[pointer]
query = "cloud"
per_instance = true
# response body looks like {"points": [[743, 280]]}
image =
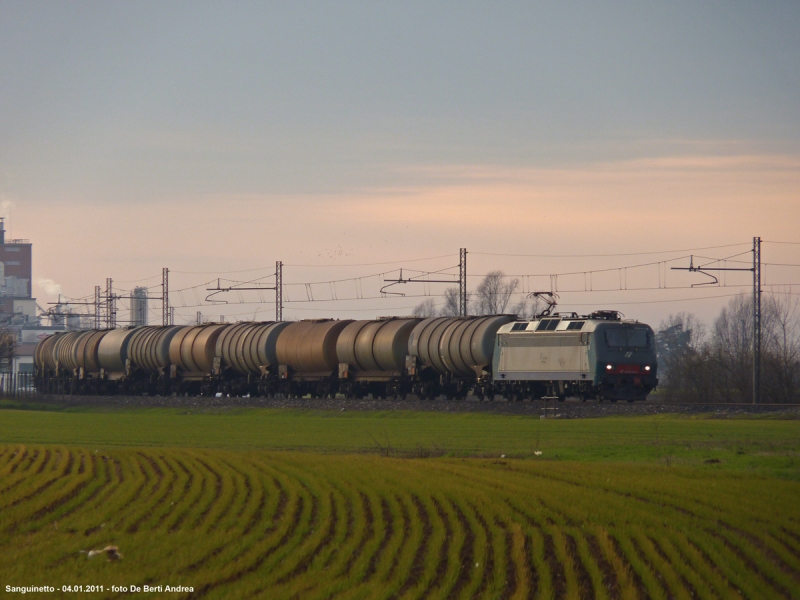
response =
{"points": [[50, 287]]}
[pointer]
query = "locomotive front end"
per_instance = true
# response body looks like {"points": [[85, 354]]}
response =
{"points": [[624, 357]]}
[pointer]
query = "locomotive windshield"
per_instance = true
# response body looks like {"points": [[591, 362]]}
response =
{"points": [[627, 337]]}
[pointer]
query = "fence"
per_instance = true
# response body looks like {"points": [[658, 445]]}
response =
{"points": [[17, 385]]}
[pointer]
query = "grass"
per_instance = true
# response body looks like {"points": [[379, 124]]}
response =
{"points": [[761, 444], [312, 504]]}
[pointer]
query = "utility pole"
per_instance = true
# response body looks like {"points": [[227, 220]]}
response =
{"points": [[279, 291], [97, 307], [756, 269], [111, 305], [278, 287], [756, 320], [165, 311], [462, 282], [199, 318], [171, 315]]}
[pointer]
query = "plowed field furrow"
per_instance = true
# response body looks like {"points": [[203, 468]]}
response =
{"points": [[585, 587], [244, 497], [29, 462], [367, 534], [139, 481], [658, 587], [556, 567], [742, 555], [254, 546], [406, 530], [466, 554], [778, 538], [17, 477], [766, 550], [192, 493], [388, 529], [262, 558], [532, 572], [92, 518], [215, 494], [510, 578], [307, 560], [146, 478], [197, 509], [417, 568], [152, 498], [723, 584], [541, 563], [628, 567], [38, 469], [39, 489], [609, 490], [487, 568], [71, 491], [232, 487], [172, 481], [675, 582], [20, 457], [669, 557], [102, 483], [253, 518], [610, 582], [442, 560], [349, 526]]}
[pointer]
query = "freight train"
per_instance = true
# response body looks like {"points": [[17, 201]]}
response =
{"points": [[599, 356]]}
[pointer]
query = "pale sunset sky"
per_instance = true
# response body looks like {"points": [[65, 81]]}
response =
{"points": [[350, 139]]}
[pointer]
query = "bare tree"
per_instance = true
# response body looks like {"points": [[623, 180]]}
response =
{"points": [[781, 349], [8, 341], [685, 365], [732, 348], [425, 309], [452, 306], [494, 293]]}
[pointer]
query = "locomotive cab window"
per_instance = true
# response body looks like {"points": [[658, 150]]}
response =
{"points": [[575, 326], [625, 337], [637, 338], [519, 327]]}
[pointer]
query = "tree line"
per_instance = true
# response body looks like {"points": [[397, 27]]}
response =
{"points": [[715, 364]]}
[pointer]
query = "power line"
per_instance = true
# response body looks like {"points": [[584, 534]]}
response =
{"points": [[608, 255]]}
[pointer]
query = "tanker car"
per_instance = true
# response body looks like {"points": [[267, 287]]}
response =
{"points": [[596, 356]]}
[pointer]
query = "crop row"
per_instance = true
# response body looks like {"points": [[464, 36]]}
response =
{"points": [[302, 525]]}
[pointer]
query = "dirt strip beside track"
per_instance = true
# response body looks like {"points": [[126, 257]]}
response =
{"points": [[569, 409]]}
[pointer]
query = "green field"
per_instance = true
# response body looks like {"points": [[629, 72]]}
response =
{"points": [[311, 504]]}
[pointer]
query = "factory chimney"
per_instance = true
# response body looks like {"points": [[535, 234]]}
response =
{"points": [[2, 230]]}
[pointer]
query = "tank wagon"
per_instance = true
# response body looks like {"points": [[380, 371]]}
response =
{"points": [[595, 356]]}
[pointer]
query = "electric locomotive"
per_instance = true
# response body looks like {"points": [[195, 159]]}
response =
{"points": [[597, 356]]}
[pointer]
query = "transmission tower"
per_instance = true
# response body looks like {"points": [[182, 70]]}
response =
{"points": [[165, 312], [462, 282]]}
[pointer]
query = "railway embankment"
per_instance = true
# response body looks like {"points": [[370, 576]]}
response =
{"points": [[570, 409]]}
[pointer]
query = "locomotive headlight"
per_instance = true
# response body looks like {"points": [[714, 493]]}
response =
{"points": [[609, 367], [647, 368]]}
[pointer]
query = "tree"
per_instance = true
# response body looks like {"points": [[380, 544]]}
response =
{"points": [[493, 294], [781, 349], [732, 348], [425, 309], [8, 341]]}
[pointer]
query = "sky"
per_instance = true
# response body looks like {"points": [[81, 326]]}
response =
{"points": [[352, 139]]}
